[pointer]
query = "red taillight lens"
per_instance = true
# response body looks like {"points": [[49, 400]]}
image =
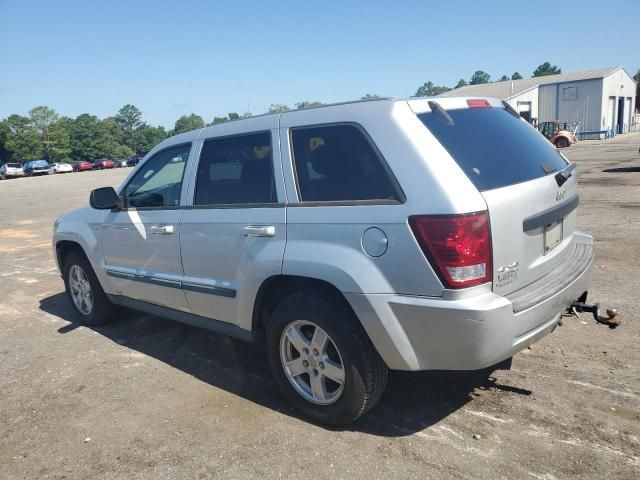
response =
{"points": [[478, 103], [458, 246]]}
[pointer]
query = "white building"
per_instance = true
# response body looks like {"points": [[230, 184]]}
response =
{"points": [[601, 100]]}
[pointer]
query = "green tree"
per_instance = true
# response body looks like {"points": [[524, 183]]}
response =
{"points": [[516, 76], [461, 83], [128, 120], [5, 154], [218, 120], [233, 116], [479, 78], [278, 108], [23, 141], [546, 69], [43, 119], [370, 96], [307, 104], [146, 137], [59, 142], [187, 123], [504, 78], [428, 89]]}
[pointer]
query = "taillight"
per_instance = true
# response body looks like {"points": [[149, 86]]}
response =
{"points": [[478, 103], [458, 246]]}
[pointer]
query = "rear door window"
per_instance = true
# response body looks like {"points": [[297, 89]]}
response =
{"points": [[236, 170], [339, 163], [494, 148]]}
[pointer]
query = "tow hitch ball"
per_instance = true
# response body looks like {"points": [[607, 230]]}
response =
{"points": [[612, 319]]}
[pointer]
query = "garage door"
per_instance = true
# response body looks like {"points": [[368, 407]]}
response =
{"points": [[611, 116]]}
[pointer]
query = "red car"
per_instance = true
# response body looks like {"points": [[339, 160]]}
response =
{"points": [[102, 164], [81, 166]]}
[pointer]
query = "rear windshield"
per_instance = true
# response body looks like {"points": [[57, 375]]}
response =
{"points": [[13, 165], [494, 148], [40, 163]]}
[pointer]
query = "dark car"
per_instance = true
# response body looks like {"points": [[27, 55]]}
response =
{"points": [[82, 166], [134, 160], [102, 164], [36, 167]]}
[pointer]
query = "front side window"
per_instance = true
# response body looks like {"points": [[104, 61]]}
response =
{"points": [[158, 183], [236, 170], [339, 163]]}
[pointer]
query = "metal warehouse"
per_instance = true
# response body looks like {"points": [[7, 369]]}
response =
{"points": [[598, 102]]}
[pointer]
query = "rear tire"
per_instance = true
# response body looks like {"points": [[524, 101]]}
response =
{"points": [[352, 390], [85, 293]]}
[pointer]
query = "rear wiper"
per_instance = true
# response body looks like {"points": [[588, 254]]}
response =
{"points": [[565, 174], [440, 113]]}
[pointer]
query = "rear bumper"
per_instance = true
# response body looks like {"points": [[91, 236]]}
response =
{"points": [[466, 330]]}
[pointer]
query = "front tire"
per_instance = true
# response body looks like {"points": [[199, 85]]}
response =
{"points": [[562, 143], [85, 293], [322, 359]]}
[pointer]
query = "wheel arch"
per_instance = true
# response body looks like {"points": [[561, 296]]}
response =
{"points": [[275, 288]]}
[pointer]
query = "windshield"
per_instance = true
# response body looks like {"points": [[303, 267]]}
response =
{"points": [[40, 163], [494, 148]]}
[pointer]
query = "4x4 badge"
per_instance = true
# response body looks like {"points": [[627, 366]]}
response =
{"points": [[507, 274]]}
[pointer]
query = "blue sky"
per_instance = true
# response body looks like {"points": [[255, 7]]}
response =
{"points": [[171, 58]]}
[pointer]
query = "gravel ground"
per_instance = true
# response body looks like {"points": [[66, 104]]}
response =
{"points": [[148, 398]]}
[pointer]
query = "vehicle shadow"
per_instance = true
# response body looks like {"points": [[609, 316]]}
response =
{"points": [[412, 402]]}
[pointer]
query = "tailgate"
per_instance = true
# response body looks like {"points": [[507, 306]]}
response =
{"points": [[532, 226]]}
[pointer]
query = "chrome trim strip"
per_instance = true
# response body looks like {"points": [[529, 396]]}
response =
{"points": [[166, 282]]}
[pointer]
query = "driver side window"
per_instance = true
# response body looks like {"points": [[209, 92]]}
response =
{"points": [[158, 183]]}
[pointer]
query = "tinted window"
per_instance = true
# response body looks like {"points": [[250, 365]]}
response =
{"points": [[158, 183], [338, 163], [494, 148], [236, 170], [13, 165]]}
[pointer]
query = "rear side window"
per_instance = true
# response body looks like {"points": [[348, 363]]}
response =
{"points": [[494, 148], [236, 170], [339, 163]]}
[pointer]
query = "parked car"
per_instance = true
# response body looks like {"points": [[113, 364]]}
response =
{"points": [[419, 235], [82, 166], [11, 170], [102, 164], [36, 167], [134, 160], [560, 137], [119, 163], [60, 168]]}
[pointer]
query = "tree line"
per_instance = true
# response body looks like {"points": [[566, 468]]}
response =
{"points": [[45, 134], [428, 89]]}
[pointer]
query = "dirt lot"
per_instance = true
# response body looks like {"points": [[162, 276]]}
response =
{"points": [[148, 398]]}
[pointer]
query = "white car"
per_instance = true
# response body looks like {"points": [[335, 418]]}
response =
{"points": [[11, 170], [60, 168]]}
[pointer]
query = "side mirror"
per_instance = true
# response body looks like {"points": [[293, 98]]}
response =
{"points": [[104, 198]]}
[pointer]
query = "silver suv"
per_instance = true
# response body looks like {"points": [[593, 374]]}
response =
{"points": [[349, 239]]}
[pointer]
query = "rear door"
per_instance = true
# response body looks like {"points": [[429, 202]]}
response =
{"points": [[532, 209], [233, 235]]}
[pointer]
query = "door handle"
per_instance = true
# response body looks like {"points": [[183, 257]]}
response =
{"points": [[162, 229], [259, 231]]}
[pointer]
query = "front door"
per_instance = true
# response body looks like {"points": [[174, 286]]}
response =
{"points": [[233, 236], [141, 243]]}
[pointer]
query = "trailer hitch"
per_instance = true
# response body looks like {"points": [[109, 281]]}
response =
{"points": [[612, 319]]}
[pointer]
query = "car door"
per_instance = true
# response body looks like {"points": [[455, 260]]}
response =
{"points": [[141, 241], [233, 235]]}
